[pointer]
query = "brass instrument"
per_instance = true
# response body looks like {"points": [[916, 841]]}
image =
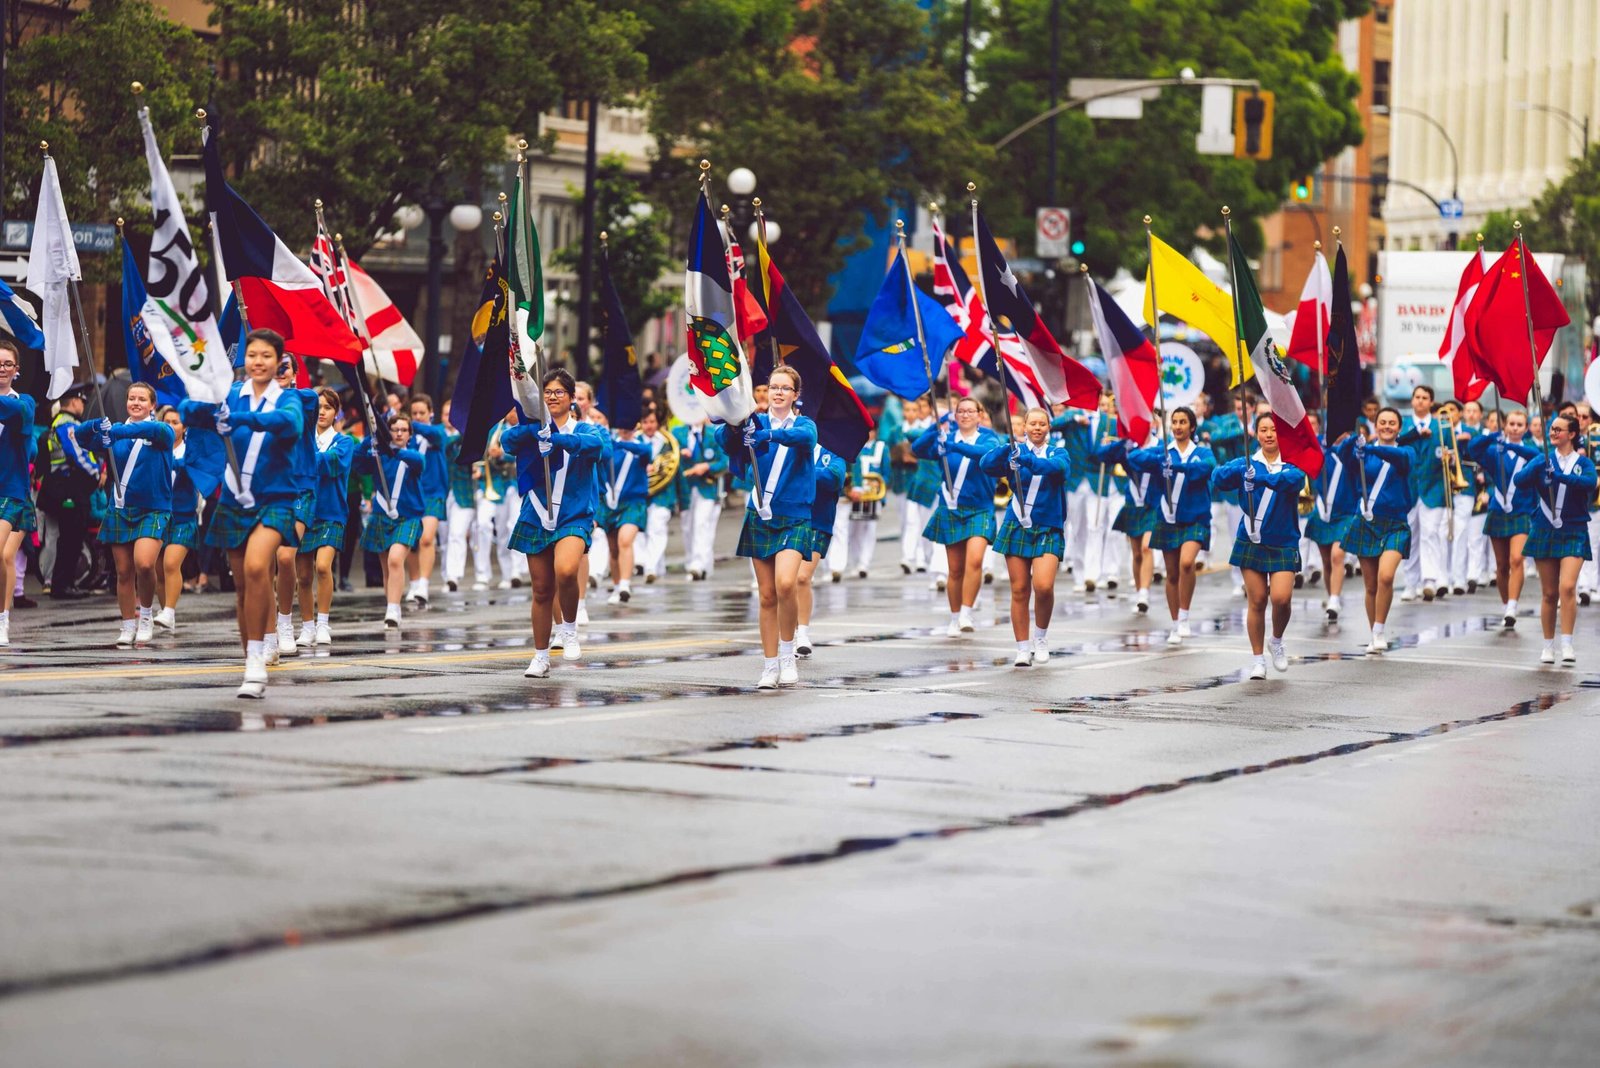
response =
{"points": [[1591, 442], [1002, 493], [1307, 499], [480, 471], [873, 487], [1451, 474], [664, 468]]}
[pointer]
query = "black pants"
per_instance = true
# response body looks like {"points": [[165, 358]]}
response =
{"points": [[72, 526]]}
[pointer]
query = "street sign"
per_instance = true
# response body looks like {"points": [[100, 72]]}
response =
{"points": [[1052, 232], [88, 237], [1451, 208]]}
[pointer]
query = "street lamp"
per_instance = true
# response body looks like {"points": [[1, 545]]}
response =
{"points": [[1579, 125], [1455, 159]]}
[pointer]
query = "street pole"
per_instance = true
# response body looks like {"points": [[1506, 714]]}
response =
{"points": [[580, 354], [1055, 94], [435, 208]]}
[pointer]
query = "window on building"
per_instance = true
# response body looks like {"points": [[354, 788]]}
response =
{"points": [[1381, 13], [1380, 83]]}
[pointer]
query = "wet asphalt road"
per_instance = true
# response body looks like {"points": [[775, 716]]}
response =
{"points": [[410, 855]]}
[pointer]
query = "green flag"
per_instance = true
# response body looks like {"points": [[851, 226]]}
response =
{"points": [[1251, 318], [527, 270]]}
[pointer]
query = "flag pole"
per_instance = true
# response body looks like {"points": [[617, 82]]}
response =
{"points": [[1104, 522], [922, 341], [364, 385], [755, 467], [1533, 351], [994, 335], [1361, 465], [219, 269], [1237, 362], [1155, 333], [526, 280], [605, 370], [1499, 415], [763, 257], [949, 387], [1322, 347]]}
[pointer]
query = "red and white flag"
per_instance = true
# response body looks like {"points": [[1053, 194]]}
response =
{"points": [[1454, 349], [395, 349], [1308, 339]]}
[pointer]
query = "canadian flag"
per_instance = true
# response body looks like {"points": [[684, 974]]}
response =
{"points": [[1469, 383], [1308, 339]]}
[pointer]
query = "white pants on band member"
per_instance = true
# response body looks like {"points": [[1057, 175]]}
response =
{"points": [[653, 555], [698, 524], [1104, 550], [504, 520], [465, 530], [1458, 544], [1428, 563], [1589, 575]]}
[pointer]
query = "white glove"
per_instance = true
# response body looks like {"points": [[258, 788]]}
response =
{"points": [[750, 434], [545, 445], [222, 418]]}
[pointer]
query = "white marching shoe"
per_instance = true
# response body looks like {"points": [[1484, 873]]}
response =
{"points": [[1041, 649], [1378, 645], [964, 621], [788, 671], [308, 635], [144, 631], [391, 617], [1547, 655], [802, 642], [1569, 655], [570, 649], [1258, 671], [286, 643], [269, 648], [324, 635], [166, 619], [5, 634], [1184, 630], [1024, 658], [1280, 656], [1175, 635], [254, 685], [125, 635], [953, 630], [538, 667], [769, 676]]}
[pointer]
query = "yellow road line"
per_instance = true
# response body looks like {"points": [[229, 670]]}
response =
{"points": [[334, 664]]}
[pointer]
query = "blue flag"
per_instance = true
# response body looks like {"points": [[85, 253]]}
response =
{"points": [[621, 393], [232, 329], [889, 356], [483, 395], [147, 360], [18, 321]]}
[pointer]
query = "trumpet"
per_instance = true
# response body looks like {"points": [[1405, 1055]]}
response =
{"points": [[873, 487], [664, 468]]}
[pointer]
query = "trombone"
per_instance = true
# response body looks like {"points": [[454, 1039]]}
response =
{"points": [[1450, 474]]}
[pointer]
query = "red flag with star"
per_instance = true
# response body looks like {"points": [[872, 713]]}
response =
{"points": [[1497, 322]]}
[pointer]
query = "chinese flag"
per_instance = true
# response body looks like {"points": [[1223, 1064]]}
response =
{"points": [[1497, 322]]}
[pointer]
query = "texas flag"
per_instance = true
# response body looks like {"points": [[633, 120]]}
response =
{"points": [[278, 290], [1132, 364], [1308, 338], [1454, 350], [1062, 379]]}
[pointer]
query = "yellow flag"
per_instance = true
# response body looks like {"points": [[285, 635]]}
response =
{"points": [[1186, 293]]}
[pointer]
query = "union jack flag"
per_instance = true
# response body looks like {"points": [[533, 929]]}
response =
{"points": [[966, 308], [393, 349]]}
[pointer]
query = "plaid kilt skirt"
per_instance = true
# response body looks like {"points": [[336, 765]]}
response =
{"points": [[629, 513], [382, 532], [1548, 543], [123, 526], [953, 527], [1136, 519], [762, 539], [821, 542], [1248, 556], [435, 507], [18, 511], [1501, 525], [1171, 536], [530, 538], [1335, 531], [184, 532], [231, 525], [1029, 543], [1371, 538], [322, 534], [305, 508]]}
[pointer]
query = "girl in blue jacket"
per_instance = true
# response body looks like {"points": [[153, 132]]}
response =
{"points": [[395, 526], [1381, 534], [335, 453], [624, 498], [1137, 519], [432, 440], [1501, 456], [1182, 481], [196, 472], [776, 535], [256, 513], [141, 505], [17, 446], [1333, 511], [281, 639], [1031, 535], [1266, 547], [963, 516], [1563, 481], [830, 470], [554, 528]]}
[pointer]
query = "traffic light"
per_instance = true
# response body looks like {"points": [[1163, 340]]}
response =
{"points": [[1252, 124], [1305, 189], [1078, 247]]}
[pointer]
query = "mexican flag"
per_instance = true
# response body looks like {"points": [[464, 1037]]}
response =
{"points": [[1295, 438]]}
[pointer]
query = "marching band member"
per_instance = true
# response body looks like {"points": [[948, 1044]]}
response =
{"points": [[256, 512], [701, 465], [322, 542], [776, 536], [922, 491], [1032, 536], [1455, 437], [906, 474], [1137, 519], [1266, 546], [281, 640], [1226, 434], [500, 507], [196, 473], [854, 551], [464, 526], [1381, 536], [659, 505], [17, 447], [1183, 530], [1559, 544], [829, 470], [1094, 498], [432, 441], [1476, 562], [395, 526], [625, 491], [135, 525], [1502, 456], [556, 523], [963, 518], [1335, 496], [1427, 437]]}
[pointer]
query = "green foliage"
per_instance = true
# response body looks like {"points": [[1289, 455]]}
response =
{"points": [[371, 106], [835, 105], [1114, 172], [639, 247], [85, 108], [1564, 218]]}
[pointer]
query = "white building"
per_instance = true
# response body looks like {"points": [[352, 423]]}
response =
{"points": [[1480, 69]]}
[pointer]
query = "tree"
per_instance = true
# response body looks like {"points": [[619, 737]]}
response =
{"points": [[639, 244], [1114, 172], [85, 108], [1564, 218], [374, 105], [837, 105]]}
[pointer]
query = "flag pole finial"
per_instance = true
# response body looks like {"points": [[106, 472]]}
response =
{"points": [[1226, 211], [1336, 232], [726, 211], [603, 237], [972, 187], [1147, 220], [1480, 239], [705, 165], [1083, 268], [755, 202], [498, 218], [933, 207], [522, 144], [119, 224], [137, 87], [339, 238], [1517, 225], [44, 146], [899, 227], [1317, 245], [317, 203], [200, 113]]}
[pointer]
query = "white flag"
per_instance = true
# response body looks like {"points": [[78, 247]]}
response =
{"points": [[52, 264], [178, 288]]}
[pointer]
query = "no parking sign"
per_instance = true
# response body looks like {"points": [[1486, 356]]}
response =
{"points": [[1052, 232]]}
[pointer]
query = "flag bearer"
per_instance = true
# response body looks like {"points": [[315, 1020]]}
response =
{"points": [[1183, 485], [196, 472], [660, 505], [830, 471], [963, 517], [1426, 434], [17, 447], [281, 639], [1032, 535], [1502, 455], [256, 513], [1381, 536], [1334, 502], [335, 455], [1564, 484], [395, 526], [1266, 547], [625, 495], [432, 441]]}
